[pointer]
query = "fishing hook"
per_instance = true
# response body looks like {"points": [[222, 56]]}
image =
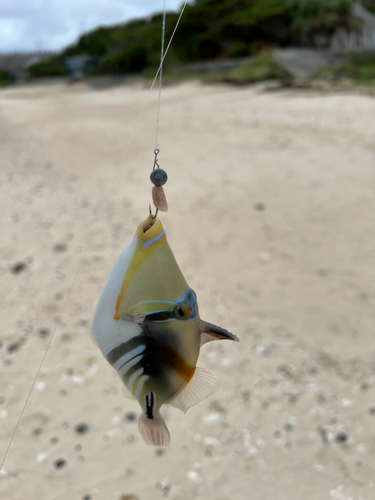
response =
{"points": [[156, 213]]}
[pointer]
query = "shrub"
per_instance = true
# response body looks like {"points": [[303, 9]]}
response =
{"points": [[129, 60], [5, 78], [53, 67]]}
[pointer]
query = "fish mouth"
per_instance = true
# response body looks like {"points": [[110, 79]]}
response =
{"points": [[148, 223], [150, 229]]}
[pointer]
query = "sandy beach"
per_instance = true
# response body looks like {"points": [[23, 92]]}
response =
{"points": [[272, 218]]}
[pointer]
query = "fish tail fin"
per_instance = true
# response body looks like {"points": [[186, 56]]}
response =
{"points": [[154, 431]]}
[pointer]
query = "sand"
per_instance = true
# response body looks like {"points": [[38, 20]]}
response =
{"points": [[272, 217]]}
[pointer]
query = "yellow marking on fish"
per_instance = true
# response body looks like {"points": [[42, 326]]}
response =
{"points": [[140, 255], [178, 364]]}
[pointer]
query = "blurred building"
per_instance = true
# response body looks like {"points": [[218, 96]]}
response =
{"points": [[78, 65], [16, 64], [362, 39]]}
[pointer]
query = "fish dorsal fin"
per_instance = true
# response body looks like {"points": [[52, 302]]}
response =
{"points": [[202, 385], [212, 332], [126, 393]]}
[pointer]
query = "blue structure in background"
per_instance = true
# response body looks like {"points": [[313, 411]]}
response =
{"points": [[78, 65]]}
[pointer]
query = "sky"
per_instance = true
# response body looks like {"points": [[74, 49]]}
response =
{"points": [[39, 25]]}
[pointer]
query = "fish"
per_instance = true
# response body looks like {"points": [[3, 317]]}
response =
{"points": [[147, 325]]}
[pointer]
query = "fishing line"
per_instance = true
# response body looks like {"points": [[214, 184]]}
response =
{"points": [[160, 74], [159, 71], [45, 354], [159, 177]]}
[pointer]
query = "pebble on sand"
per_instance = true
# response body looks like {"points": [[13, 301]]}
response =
{"points": [[260, 207], [18, 267], [341, 437], [319, 468], [211, 418], [81, 428], [40, 386], [60, 273], [60, 463], [164, 485], [44, 332], [194, 477], [60, 247], [14, 346], [130, 416], [41, 458]]}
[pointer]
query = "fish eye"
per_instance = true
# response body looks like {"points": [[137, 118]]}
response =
{"points": [[182, 311]]}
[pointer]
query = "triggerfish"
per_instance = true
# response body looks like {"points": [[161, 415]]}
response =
{"points": [[147, 325]]}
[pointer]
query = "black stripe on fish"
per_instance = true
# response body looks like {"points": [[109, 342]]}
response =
{"points": [[155, 366], [161, 316], [150, 403]]}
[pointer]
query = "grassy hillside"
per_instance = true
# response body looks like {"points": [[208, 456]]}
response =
{"points": [[209, 29]]}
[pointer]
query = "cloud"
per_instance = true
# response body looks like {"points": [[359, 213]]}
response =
{"points": [[29, 25]]}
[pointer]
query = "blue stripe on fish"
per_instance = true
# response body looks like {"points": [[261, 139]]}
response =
{"points": [[163, 315], [132, 379], [140, 385], [128, 356], [161, 301], [126, 366], [192, 299], [149, 243]]}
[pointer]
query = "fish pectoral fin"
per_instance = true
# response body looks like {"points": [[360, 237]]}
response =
{"points": [[212, 332], [201, 385], [137, 318], [126, 393]]}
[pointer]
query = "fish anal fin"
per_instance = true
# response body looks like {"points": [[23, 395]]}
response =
{"points": [[200, 387], [212, 332], [154, 431]]}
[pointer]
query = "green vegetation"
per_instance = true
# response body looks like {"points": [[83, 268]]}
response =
{"points": [[258, 68], [131, 59], [53, 67], [214, 30], [360, 67], [5, 78], [130, 47], [369, 4], [221, 28]]}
